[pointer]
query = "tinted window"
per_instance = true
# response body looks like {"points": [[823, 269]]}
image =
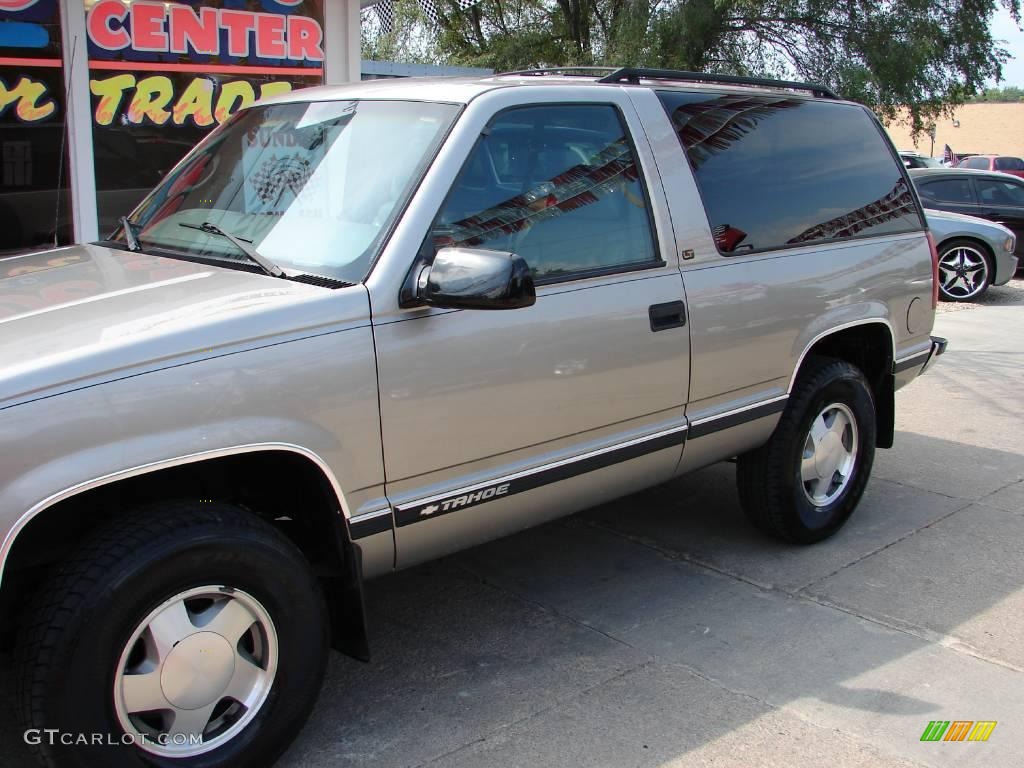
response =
{"points": [[974, 162], [993, 192], [559, 186], [1009, 164], [777, 171], [916, 161], [946, 191]]}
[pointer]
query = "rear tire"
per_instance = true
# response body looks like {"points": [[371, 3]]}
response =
{"points": [[804, 483], [220, 610]]}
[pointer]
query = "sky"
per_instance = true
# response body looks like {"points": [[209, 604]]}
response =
{"points": [[1012, 39]]}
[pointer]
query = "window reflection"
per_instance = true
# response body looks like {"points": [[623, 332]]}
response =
{"points": [[778, 171], [559, 186]]}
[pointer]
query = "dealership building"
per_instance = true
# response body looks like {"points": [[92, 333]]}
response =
{"points": [[100, 98]]}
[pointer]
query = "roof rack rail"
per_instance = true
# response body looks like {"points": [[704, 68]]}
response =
{"points": [[633, 75], [581, 71]]}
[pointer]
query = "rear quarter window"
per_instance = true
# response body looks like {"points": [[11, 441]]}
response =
{"points": [[782, 171]]}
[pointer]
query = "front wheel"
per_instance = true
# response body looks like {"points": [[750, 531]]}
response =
{"points": [[805, 482], [186, 635], [965, 270]]}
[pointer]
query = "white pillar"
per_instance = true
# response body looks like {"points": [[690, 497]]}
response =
{"points": [[78, 119], [341, 33]]}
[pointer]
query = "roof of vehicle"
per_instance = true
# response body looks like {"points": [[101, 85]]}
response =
{"points": [[928, 172], [462, 90]]}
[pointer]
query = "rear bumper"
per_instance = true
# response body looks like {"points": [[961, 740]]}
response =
{"points": [[938, 348]]}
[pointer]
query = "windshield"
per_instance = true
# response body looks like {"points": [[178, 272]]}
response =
{"points": [[312, 186]]}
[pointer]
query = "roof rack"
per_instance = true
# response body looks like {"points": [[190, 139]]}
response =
{"points": [[633, 75], [578, 71]]}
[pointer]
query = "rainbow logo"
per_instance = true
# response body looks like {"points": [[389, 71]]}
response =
{"points": [[958, 730]]}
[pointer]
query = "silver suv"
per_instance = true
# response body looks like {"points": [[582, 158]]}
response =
{"points": [[285, 373]]}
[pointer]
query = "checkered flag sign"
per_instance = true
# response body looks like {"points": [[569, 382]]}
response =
{"points": [[278, 175], [428, 8]]}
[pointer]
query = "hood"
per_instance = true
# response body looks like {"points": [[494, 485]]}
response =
{"points": [[960, 221], [84, 314]]}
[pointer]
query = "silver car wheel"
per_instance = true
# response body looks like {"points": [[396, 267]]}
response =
{"points": [[196, 671], [829, 454], [963, 272]]}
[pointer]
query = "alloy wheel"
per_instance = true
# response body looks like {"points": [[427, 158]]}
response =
{"points": [[829, 454], [963, 272], [196, 671]]}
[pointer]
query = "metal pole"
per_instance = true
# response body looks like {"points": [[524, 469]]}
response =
{"points": [[341, 41], [78, 121]]}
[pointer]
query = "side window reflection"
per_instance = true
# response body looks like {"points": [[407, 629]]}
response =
{"points": [[560, 186]]}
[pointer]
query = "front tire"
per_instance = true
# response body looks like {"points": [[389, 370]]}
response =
{"points": [[805, 482], [193, 619], [965, 270]]}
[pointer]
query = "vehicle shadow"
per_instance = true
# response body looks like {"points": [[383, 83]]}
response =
{"points": [[1009, 294], [613, 622], [661, 625]]}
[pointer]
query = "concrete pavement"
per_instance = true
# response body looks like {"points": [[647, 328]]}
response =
{"points": [[661, 630]]}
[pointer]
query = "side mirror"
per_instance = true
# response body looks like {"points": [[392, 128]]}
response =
{"points": [[472, 278]]}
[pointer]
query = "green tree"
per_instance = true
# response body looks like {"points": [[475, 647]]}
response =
{"points": [[406, 39], [999, 95], [926, 55]]}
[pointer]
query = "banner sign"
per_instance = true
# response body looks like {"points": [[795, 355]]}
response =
{"points": [[163, 63], [31, 83], [227, 32], [175, 100]]}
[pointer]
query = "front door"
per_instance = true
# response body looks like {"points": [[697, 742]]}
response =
{"points": [[496, 420], [947, 193], [1003, 201]]}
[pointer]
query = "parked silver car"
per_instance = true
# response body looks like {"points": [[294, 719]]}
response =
{"points": [[973, 254], [286, 373]]}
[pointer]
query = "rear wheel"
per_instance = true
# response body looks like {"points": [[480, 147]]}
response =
{"points": [[184, 635], [804, 483], [965, 270]]}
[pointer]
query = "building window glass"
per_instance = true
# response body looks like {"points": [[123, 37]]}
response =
{"points": [[162, 75], [35, 206]]}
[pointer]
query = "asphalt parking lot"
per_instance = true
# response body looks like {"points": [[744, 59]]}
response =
{"points": [[660, 630]]}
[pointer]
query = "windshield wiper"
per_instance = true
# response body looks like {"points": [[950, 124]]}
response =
{"points": [[129, 234], [265, 264]]}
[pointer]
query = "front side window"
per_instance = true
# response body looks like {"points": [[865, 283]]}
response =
{"points": [[992, 192], [781, 171], [955, 191], [1009, 164], [559, 186], [313, 186]]}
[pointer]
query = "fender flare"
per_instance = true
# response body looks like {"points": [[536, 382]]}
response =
{"points": [[884, 388], [344, 589]]}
